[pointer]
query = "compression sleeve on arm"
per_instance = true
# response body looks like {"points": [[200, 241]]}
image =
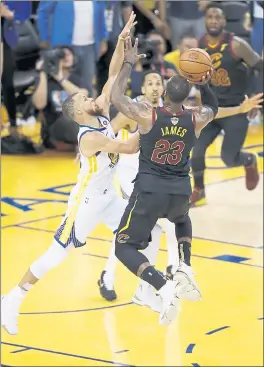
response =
{"points": [[208, 98]]}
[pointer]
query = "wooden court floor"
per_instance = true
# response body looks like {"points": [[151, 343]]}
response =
{"points": [[64, 321]]}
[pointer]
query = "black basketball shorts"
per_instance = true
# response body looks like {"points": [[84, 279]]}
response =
{"points": [[143, 211]]}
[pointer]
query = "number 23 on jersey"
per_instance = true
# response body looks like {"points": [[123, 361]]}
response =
{"points": [[168, 153]]}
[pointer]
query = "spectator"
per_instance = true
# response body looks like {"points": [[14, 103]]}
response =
{"points": [[11, 12], [48, 97], [185, 16], [80, 24], [155, 47], [151, 15], [117, 14], [187, 41], [257, 26]]}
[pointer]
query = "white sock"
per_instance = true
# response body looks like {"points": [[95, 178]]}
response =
{"points": [[110, 268], [172, 244]]}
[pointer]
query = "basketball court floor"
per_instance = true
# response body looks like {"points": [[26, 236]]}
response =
{"points": [[65, 322]]}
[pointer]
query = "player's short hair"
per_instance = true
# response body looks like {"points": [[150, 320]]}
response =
{"points": [[213, 5], [177, 89], [151, 72], [154, 32], [68, 107], [187, 34]]}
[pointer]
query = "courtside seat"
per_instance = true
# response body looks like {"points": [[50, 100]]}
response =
{"points": [[236, 12], [27, 52]]}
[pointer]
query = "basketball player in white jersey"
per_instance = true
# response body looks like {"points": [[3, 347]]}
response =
{"points": [[93, 199], [127, 168]]}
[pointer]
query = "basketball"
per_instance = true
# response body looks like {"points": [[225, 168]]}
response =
{"points": [[194, 64]]}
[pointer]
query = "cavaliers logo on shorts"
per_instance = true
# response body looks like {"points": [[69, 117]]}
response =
{"points": [[122, 238]]}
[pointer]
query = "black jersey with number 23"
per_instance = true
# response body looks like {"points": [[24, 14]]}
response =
{"points": [[165, 153]]}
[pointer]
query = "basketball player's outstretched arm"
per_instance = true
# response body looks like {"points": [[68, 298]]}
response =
{"points": [[247, 105], [140, 112], [118, 56], [94, 142]]}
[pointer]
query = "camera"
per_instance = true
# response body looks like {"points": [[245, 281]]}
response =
{"points": [[150, 48], [51, 60]]}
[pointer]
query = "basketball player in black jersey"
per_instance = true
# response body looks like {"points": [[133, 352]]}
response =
{"points": [[162, 188], [233, 59]]}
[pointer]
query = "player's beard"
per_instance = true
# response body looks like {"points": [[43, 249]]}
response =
{"points": [[95, 113], [154, 100], [214, 33]]}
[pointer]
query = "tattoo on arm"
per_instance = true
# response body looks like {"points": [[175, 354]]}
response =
{"points": [[203, 115], [136, 111], [140, 112]]}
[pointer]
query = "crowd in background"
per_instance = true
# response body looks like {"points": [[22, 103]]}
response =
{"points": [[47, 42]]}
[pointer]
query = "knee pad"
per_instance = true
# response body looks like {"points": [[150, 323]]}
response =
{"points": [[54, 256]]}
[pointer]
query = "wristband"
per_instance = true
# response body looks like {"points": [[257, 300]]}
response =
{"points": [[62, 80], [130, 63], [121, 38]]}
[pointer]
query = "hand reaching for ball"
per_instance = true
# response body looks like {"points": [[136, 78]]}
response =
{"points": [[205, 79], [196, 66], [128, 27]]}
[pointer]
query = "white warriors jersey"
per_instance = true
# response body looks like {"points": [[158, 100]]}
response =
{"points": [[97, 172], [128, 164]]}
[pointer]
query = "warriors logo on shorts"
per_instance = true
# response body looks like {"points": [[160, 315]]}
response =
{"points": [[114, 158], [122, 238]]}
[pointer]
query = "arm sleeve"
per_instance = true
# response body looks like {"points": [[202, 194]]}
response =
{"points": [[209, 98]]}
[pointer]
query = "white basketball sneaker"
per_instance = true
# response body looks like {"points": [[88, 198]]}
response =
{"points": [[146, 296], [9, 313], [187, 287], [170, 302]]}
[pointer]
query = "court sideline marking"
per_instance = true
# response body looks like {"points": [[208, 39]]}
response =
{"points": [[27, 347]]}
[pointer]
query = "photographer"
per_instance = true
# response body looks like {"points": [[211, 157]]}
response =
{"points": [[11, 13], [80, 25], [154, 46], [56, 82]]}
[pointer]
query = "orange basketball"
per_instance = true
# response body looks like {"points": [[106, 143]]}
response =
{"points": [[194, 64]]}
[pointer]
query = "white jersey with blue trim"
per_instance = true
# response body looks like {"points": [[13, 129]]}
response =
{"points": [[99, 170], [127, 168]]}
